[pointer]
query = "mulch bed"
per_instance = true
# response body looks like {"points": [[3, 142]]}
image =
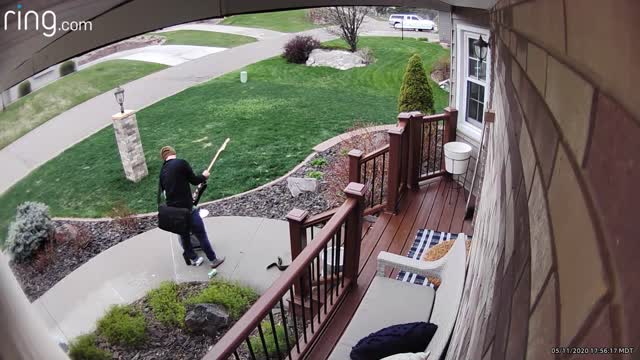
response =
{"points": [[165, 342], [273, 202]]}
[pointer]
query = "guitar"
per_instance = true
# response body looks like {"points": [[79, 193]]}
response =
{"points": [[197, 193]]}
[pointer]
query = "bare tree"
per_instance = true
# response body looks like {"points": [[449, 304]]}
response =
{"points": [[347, 21]]}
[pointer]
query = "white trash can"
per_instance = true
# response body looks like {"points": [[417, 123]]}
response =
{"points": [[243, 77], [456, 157]]}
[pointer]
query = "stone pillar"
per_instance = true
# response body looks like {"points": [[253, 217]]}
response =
{"points": [[130, 145]]}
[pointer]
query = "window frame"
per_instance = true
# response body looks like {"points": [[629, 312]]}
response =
{"points": [[471, 128]]}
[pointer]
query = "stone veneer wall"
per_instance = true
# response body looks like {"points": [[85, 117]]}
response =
{"points": [[553, 261]]}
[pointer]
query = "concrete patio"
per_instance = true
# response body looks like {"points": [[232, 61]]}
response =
{"points": [[125, 272]]}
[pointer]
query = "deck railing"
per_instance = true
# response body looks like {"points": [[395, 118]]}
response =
{"points": [[296, 307], [415, 153]]}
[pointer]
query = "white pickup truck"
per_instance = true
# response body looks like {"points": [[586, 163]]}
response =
{"points": [[411, 22]]}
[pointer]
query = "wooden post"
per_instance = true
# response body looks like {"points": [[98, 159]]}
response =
{"points": [[395, 168], [354, 191], [297, 232], [450, 129], [413, 164], [355, 156], [298, 240], [450, 125]]}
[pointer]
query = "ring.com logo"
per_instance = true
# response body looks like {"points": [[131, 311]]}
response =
{"points": [[47, 21]]}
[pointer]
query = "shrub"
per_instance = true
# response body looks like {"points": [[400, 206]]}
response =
{"points": [[24, 89], [367, 55], [122, 325], [442, 68], [166, 306], [45, 257], [314, 174], [269, 340], [234, 297], [415, 94], [67, 68], [297, 50], [123, 216], [319, 162], [29, 230], [84, 348]]}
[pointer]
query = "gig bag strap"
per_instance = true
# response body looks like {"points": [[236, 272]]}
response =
{"points": [[160, 185]]}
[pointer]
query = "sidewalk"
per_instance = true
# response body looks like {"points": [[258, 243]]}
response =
{"points": [[67, 129], [125, 272]]}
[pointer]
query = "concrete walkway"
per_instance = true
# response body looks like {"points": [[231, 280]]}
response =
{"points": [[171, 55], [127, 271], [67, 129]]}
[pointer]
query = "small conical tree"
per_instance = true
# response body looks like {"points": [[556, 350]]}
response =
{"points": [[415, 93]]}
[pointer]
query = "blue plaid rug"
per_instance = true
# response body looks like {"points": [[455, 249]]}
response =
{"points": [[425, 239]]}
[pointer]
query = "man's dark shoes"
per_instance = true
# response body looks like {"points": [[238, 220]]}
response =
{"points": [[217, 262]]}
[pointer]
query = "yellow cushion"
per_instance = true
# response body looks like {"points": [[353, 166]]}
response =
{"points": [[439, 251]]}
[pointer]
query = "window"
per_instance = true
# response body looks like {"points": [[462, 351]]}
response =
{"points": [[414, 18], [472, 88]]}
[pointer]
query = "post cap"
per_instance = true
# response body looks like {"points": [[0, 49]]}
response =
{"points": [[395, 130], [297, 215], [355, 153], [120, 116], [355, 189]]}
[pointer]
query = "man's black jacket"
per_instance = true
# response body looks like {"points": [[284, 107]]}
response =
{"points": [[175, 177]]}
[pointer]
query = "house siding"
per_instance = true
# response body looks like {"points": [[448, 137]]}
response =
{"points": [[477, 18], [553, 261]]}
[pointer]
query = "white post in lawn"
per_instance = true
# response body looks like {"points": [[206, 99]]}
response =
{"points": [[129, 142]]}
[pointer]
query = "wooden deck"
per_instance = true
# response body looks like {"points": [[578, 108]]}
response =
{"points": [[433, 207]]}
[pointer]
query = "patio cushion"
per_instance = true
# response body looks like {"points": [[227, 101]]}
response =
{"points": [[387, 302], [395, 339]]}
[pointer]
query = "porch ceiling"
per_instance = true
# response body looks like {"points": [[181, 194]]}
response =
{"points": [[28, 52]]}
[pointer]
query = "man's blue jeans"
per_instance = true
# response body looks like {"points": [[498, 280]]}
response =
{"points": [[197, 229]]}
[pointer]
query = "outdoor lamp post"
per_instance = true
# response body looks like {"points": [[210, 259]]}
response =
{"points": [[480, 48], [120, 98]]}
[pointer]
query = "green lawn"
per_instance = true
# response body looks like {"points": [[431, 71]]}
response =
{"points": [[204, 38], [273, 121], [36, 108], [284, 21]]}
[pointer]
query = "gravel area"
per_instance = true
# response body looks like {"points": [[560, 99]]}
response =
{"points": [[273, 202]]}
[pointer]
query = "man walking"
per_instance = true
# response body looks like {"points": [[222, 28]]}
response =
{"points": [[175, 177]]}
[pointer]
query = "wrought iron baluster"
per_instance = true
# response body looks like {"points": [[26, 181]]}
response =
{"points": [[285, 323], [333, 264], [310, 272], [304, 317], [373, 181], [235, 355], [318, 285], [429, 151], [326, 285], [295, 321], [264, 344], [422, 147], [275, 335], [253, 355], [384, 161]]}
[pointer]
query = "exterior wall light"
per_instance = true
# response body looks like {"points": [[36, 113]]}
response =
{"points": [[120, 98], [480, 48]]}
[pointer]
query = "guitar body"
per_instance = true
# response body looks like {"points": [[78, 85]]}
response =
{"points": [[197, 194]]}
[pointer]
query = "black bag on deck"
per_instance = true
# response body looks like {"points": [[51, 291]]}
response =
{"points": [[173, 219]]}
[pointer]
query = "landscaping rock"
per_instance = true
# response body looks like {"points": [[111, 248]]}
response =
{"points": [[66, 233], [298, 185], [206, 318], [337, 59]]}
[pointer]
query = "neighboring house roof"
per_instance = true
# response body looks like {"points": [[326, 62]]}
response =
{"points": [[27, 52]]}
